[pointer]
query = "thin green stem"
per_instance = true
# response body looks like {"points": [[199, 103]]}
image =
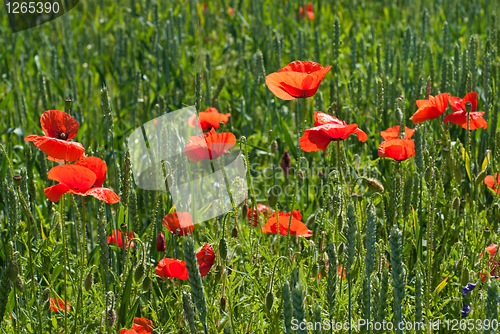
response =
{"points": [[295, 192]]}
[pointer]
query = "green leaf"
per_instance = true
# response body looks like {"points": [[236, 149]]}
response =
{"points": [[441, 285], [467, 163], [125, 299]]}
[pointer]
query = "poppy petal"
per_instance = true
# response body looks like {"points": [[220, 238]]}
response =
{"points": [[285, 86], [397, 149], [393, 133], [97, 166], [55, 122], [75, 177], [433, 108], [476, 120], [56, 148], [103, 194], [55, 192], [362, 137], [320, 118]]}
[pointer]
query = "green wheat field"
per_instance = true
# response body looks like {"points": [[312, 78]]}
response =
{"points": [[387, 235]]}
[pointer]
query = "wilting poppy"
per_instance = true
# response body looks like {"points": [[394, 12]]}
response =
{"points": [[393, 133], [297, 79], [60, 305], [208, 119], [59, 128], [205, 258], [326, 129], [286, 163], [261, 208], [397, 149], [296, 228], [179, 223], [140, 326], [308, 9], [209, 145], [119, 236], [492, 266], [489, 180], [459, 117], [431, 108], [172, 268], [160, 242], [85, 178]]}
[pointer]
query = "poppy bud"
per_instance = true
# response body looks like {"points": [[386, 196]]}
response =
{"points": [[223, 249], [13, 271], [320, 174], [17, 179], [19, 284], [480, 177], [459, 265], [45, 298], [234, 232], [427, 174], [399, 116], [223, 303], [274, 146], [314, 270], [310, 220], [244, 210], [123, 227], [458, 174], [456, 203], [286, 163], [160, 242], [218, 272], [269, 300], [272, 196], [89, 280], [111, 318], [302, 175], [146, 284], [139, 272], [374, 184]]}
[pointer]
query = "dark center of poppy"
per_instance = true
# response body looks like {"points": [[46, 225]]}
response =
{"points": [[62, 135], [77, 189]]}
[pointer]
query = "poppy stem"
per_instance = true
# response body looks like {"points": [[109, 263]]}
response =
{"points": [[295, 189], [350, 302], [30, 252]]}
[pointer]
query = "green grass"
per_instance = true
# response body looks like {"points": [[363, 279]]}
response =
{"points": [[147, 54]]}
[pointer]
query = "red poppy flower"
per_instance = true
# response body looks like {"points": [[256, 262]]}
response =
{"points": [[459, 117], [393, 133], [230, 10], [59, 306], [326, 129], [261, 208], [492, 266], [140, 326], [85, 178], [59, 128], [489, 180], [172, 268], [297, 79], [205, 258], [397, 149], [341, 272], [179, 223], [208, 119], [113, 239], [431, 108], [297, 227], [160, 242], [308, 9], [209, 145]]}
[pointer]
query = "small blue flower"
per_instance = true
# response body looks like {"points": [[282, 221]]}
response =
{"points": [[464, 312], [468, 288]]}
